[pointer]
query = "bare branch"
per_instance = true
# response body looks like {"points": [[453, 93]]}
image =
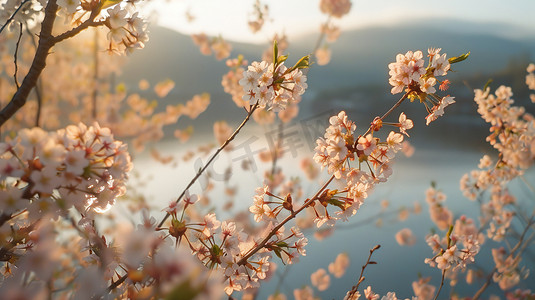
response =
{"points": [[441, 284], [15, 56], [253, 108], [76, 30], [39, 62], [355, 288], [46, 41], [95, 76], [13, 15]]}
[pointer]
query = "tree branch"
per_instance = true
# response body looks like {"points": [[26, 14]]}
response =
{"points": [[15, 56], [355, 288], [76, 30], [261, 245], [13, 15], [253, 108], [46, 42]]}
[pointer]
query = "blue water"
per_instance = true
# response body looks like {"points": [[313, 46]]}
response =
{"points": [[398, 266]]}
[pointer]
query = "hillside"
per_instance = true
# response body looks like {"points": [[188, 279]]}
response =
{"points": [[357, 77]]}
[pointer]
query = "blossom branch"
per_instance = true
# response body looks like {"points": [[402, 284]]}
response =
{"points": [[95, 76], [15, 56], [119, 281], [275, 154], [515, 248], [261, 245], [86, 24]]}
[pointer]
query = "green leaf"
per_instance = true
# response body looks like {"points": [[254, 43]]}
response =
{"points": [[275, 52], [487, 84], [338, 203], [278, 253], [282, 58], [448, 235], [107, 3], [282, 244], [303, 63], [216, 250], [459, 58]]}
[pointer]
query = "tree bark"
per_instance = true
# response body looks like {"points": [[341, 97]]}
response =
{"points": [[46, 41]]}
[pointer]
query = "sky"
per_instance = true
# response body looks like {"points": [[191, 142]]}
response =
{"points": [[228, 18]]}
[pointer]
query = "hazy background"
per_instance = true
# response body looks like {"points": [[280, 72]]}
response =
{"points": [[356, 79], [498, 34]]}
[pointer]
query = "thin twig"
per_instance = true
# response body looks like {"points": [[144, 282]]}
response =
{"points": [[15, 56], [95, 76], [441, 284], [517, 246], [13, 15], [278, 143], [37, 91], [355, 288], [38, 85], [320, 37], [386, 114], [86, 24], [119, 281], [199, 173], [261, 245]]}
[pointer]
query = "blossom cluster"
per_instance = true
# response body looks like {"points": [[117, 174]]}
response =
{"points": [[127, 29], [259, 16], [222, 245], [512, 135], [47, 176], [335, 8], [409, 71], [449, 254], [374, 157], [439, 213], [530, 80], [508, 272], [512, 129], [29, 10], [216, 45], [273, 84], [231, 79], [48, 173]]}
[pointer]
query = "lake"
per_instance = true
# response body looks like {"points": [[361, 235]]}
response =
{"points": [[398, 266]]}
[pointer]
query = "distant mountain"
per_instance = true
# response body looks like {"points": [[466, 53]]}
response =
{"points": [[359, 57], [357, 76]]}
